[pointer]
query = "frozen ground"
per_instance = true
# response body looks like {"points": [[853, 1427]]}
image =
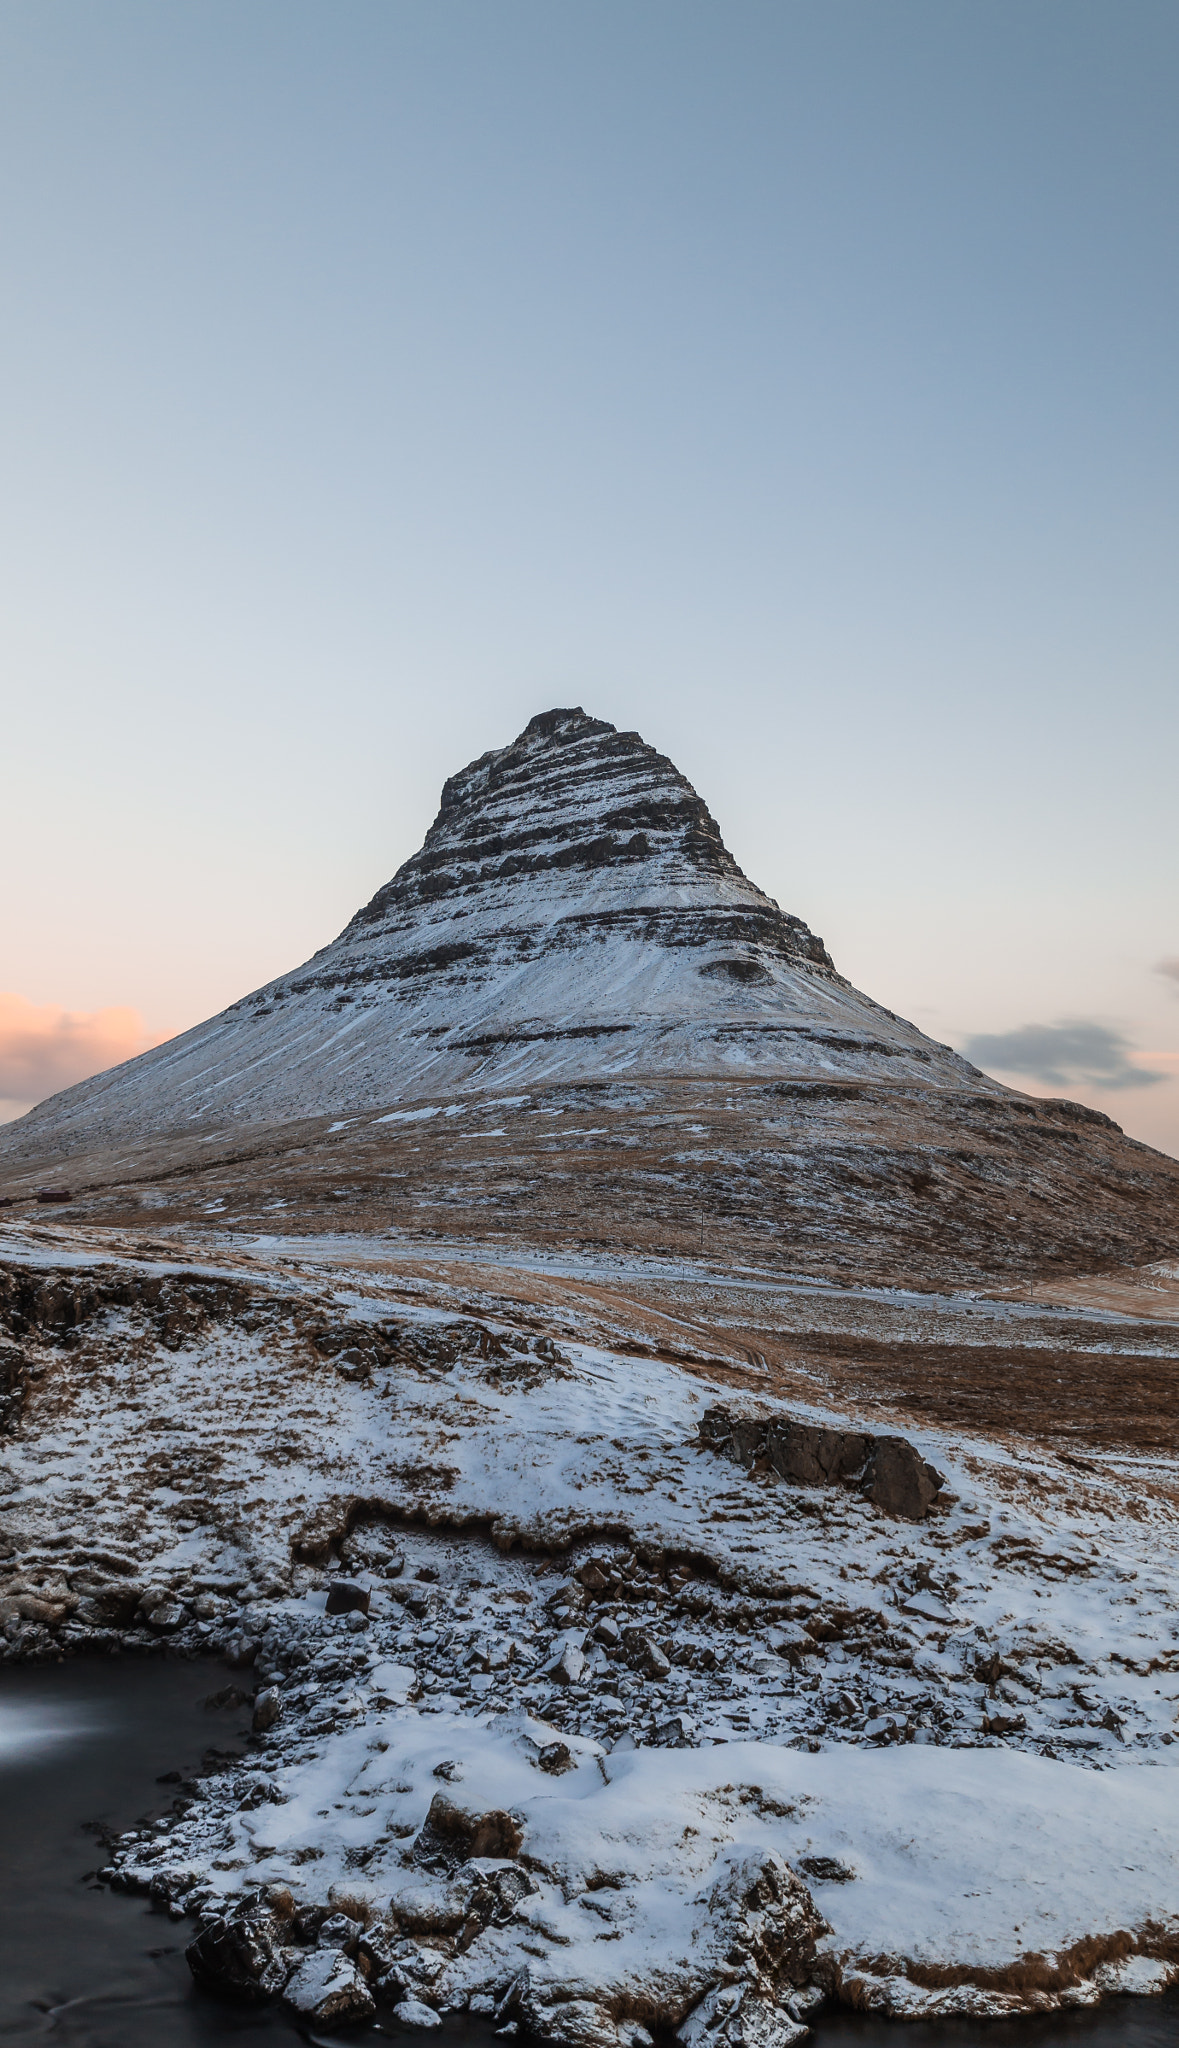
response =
{"points": [[698, 1733]]}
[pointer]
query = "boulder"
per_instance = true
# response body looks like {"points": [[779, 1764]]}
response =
{"points": [[411, 2012], [328, 1987], [109, 1603], [678, 1733], [889, 1470], [346, 1598], [809, 1455], [244, 1955], [899, 1480], [451, 1834], [167, 1616]]}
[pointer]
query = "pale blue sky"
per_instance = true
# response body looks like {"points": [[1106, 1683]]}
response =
{"points": [[795, 383]]}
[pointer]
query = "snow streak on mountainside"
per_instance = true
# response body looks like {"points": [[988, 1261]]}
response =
{"points": [[573, 914]]}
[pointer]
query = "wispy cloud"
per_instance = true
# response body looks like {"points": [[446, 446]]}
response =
{"points": [[1169, 967], [1074, 1053], [44, 1048]]}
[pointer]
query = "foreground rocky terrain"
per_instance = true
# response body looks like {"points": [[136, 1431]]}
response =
{"points": [[681, 1468], [673, 1675]]}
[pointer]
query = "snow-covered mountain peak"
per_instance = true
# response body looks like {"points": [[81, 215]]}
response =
{"points": [[572, 914], [583, 832]]}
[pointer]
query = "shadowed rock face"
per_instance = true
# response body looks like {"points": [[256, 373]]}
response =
{"points": [[573, 914]]}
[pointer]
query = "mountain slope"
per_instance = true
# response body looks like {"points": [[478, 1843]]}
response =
{"points": [[573, 914]]}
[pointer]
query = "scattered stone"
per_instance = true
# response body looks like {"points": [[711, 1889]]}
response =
{"points": [[337, 1931], [826, 1869], [555, 1757], [1003, 1724], [267, 1709], [410, 2012], [678, 1733], [569, 1666], [347, 1598], [162, 1612]]}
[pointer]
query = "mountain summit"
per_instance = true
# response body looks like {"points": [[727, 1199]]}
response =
{"points": [[573, 914]]}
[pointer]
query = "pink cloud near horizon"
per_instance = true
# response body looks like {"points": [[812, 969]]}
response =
{"points": [[44, 1048]]}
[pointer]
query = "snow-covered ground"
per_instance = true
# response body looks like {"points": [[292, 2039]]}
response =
{"points": [[708, 1707]]}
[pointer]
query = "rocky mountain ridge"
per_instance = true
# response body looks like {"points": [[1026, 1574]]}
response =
{"points": [[573, 913]]}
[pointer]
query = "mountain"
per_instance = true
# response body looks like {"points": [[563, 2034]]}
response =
{"points": [[573, 914]]}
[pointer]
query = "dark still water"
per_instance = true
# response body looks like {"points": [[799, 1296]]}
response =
{"points": [[83, 1744]]}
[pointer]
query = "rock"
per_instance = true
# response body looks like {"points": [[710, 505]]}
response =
{"points": [[810, 1455], [451, 1834], [240, 1651], [769, 1914], [109, 1604], [734, 2015], [555, 1757], [229, 1696], [410, 2012], [450, 1769], [245, 1956], [267, 1709], [569, 1666], [511, 1886], [645, 1653], [356, 1623], [575, 2023], [594, 1575], [415, 1598], [826, 1869], [888, 1469], [346, 1598], [337, 1931], [926, 1607], [328, 1987], [1003, 1724], [899, 1481], [172, 1614], [353, 1364], [678, 1733]]}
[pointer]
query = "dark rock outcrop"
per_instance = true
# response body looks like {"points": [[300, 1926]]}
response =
{"points": [[888, 1470]]}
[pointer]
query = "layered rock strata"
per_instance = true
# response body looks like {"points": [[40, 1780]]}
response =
{"points": [[573, 913]]}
